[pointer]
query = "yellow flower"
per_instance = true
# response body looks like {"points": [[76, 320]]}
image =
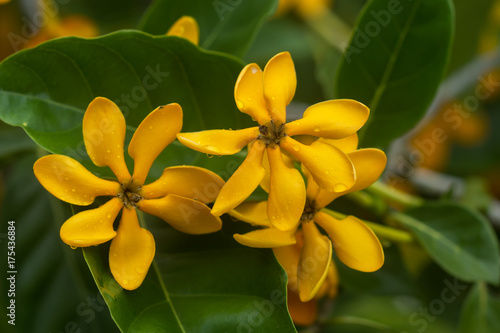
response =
{"points": [[355, 244], [304, 8], [264, 96], [185, 27], [178, 196]]}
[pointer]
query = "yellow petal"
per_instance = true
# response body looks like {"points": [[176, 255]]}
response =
{"points": [[154, 133], [104, 133], [280, 83], [187, 181], [335, 119], [302, 313], [331, 169], [184, 214], [287, 193], [131, 252], [243, 181], [254, 212], [369, 164], [331, 285], [91, 227], [355, 244], [288, 257], [185, 27], [249, 94], [347, 144], [219, 142], [69, 181], [265, 163], [266, 238], [314, 261]]}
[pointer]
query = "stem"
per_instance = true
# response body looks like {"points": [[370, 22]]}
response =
{"points": [[331, 28], [394, 195], [351, 320], [395, 235]]}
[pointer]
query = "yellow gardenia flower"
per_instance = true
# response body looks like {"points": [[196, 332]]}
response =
{"points": [[185, 27], [264, 96], [355, 244], [178, 196], [304, 8]]}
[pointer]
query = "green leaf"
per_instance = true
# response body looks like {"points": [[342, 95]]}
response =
{"points": [[458, 238], [225, 25], [394, 63], [481, 312], [54, 291], [198, 284], [46, 90]]}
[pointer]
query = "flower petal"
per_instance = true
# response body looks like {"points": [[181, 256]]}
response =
{"points": [[69, 181], [287, 193], [184, 214], [104, 133], [243, 181], [333, 119], [91, 227], [131, 251], [249, 94], [266, 238], [253, 212], [331, 169], [185, 27], [330, 287], [187, 181], [347, 144], [302, 313], [280, 82], [369, 164], [314, 261], [154, 133], [219, 142], [288, 257], [265, 163], [355, 243]]}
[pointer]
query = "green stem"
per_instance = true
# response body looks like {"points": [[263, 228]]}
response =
{"points": [[331, 28], [391, 194], [351, 320], [392, 234]]}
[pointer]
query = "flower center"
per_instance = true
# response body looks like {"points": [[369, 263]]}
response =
{"points": [[309, 210], [131, 194], [271, 133]]}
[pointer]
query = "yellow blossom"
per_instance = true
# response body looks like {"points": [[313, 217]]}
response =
{"points": [[264, 96], [305, 8], [178, 196], [355, 243], [185, 27]]}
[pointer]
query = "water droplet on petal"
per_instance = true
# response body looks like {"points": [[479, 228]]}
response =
{"points": [[108, 215], [317, 129], [210, 156], [296, 147], [254, 70], [273, 98], [249, 98], [340, 188], [73, 190], [66, 178], [73, 247], [327, 172], [108, 151], [240, 104], [139, 270], [150, 127]]}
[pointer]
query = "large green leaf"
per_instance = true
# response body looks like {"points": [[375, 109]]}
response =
{"points": [[198, 284], [458, 238], [54, 291], [394, 63], [481, 312], [225, 25], [46, 90]]}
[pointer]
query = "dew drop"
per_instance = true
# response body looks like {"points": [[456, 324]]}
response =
{"points": [[66, 178], [25, 124], [210, 156], [340, 188], [296, 147], [151, 127], [73, 247], [73, 190], [118, 157], [273, 98], [317, 129], [254, 70], [108, 151], [139, 270], [240, 104], [108, 215], [327, 172], [249, 98], [273, 217], [125, 282]]}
